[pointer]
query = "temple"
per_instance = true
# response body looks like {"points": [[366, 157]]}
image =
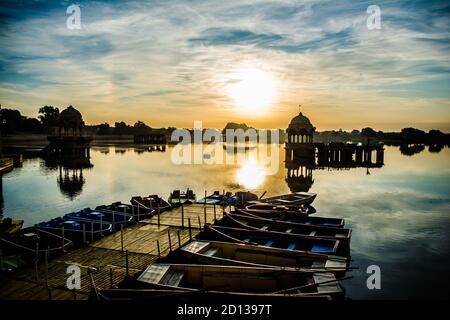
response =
{"points": [[69, 141], [303, 155]]}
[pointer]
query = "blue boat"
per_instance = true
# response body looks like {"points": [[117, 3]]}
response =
{"points": [[218, 199], [137, 212], [87, 214], [76, 230]]}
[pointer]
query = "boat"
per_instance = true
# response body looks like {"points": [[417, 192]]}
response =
{"points": [[138, 212], [267, 207], [270, 239], [10, 226], [32, 242], [75, 230], [151, 202], [115, 218], [218, 199], [257, 223], [293, 217], [238, 254], [297, 198], [178, 198], [238, 279]]}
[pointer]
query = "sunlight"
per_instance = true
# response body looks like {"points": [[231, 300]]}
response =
{"points": [[253, 90], [251, 174]]}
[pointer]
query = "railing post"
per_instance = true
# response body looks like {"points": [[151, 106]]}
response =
{"points": [[114, 220], [215, 213], [92, 231], [204, 213], [159, 249], [199, 222], [36, 262], [170, 242], [110, 277], [159, 212], [62, 235], [126, 261], [190, 232], [84, 233], [182, 215], [121, 236], [179, 239]]}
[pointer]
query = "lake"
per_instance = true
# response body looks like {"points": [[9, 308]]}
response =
{"points": [[400, 213]]}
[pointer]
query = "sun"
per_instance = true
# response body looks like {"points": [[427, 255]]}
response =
{"points": [[251, 175], [252, 90]]}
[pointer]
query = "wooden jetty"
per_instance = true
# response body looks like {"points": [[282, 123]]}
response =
{"points": [[110, 259], [6, 165]]}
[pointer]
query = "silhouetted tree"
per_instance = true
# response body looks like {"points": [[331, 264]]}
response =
{"points": [[103, 129], [368, 133], [49, 116]]}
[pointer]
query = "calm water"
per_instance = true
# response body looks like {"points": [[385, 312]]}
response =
{"points": [[400, 214]]}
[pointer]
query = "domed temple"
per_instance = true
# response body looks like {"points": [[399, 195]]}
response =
{"points": [[303, 155], [69, 141]]}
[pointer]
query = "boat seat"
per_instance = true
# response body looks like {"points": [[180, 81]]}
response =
{"points": [[269, 243], [292, 246], [288, 230], [173, 278], [265, 227], [313, 233], [321, 249], [247, 240], [211, 252]]}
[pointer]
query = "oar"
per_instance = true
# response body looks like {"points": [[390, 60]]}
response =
{"points": [[312, 285], [264, 193]]}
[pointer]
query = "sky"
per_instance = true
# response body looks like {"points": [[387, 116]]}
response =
{"points": [[173, 62]]}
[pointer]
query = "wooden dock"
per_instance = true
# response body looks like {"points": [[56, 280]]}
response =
{"points": [[109, 260]]}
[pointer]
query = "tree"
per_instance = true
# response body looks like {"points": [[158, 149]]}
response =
{"points": [[368, 132], [49, 115], [103, 129], [141, 128]]}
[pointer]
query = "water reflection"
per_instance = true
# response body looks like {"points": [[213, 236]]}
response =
{"points": [[70, 179], [411, 149], [399, 214], [251, 175]]}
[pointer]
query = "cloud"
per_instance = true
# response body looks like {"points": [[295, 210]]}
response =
{"points": [[162, 55]]}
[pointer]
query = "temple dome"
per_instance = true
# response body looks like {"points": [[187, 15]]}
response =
{"points": [[70, 118], [301, 123]]}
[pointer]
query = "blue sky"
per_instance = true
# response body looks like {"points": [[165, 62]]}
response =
{"points": [[173, 62]]}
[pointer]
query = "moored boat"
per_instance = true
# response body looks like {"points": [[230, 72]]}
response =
{"points": [[10, 226], [138, 212], [226, 253], [151, 202], [256, 223], [77, 231], [297, 198], [218, 199], [271, 239], [32, 242], [98, 216], [178, 198], [238, 279], [293, 217], [268, 207]]}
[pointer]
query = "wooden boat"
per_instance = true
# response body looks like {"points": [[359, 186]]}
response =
{"points": [[238, 254], [292, 198], [234, 279], [293, 217], [10, 226], [31, 243], [267, 207], [178, 198], [139, 213], [218, 199], [271, 239], [87, 214], [151, 202], [256, 223], [76, 230]]}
